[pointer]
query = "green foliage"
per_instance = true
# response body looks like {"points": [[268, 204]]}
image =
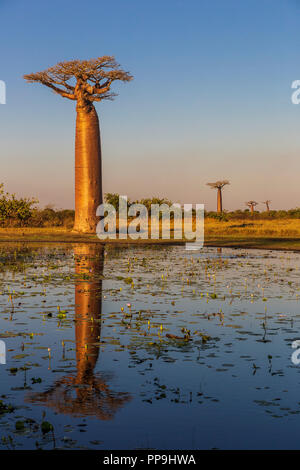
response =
{"points": [[113, 199], [49, 217], [14, 211], [222, 217], [5, 408], [246, 215], [23, 212], [147, 202], [46, 427], [20, 425]]}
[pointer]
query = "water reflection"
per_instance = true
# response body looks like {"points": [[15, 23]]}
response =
{"points": [[174, 327], [86, 392]]}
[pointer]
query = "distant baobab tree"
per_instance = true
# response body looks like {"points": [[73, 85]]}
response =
{"points": [[219, 186], [85, 81], [267, 202], [251, 204]]}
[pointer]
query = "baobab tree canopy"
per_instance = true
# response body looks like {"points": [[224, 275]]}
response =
{"points": [[251, 203], [218, 184], [85, 81]]}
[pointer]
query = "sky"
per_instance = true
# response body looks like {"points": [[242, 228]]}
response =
{"points": [[210, 99]]}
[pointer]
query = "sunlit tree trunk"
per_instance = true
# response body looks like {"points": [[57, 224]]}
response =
{"points": [[88, 171], [219, 200], [219, 185]]}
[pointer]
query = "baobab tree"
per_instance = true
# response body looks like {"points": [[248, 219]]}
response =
{"points": [[267, 202], [86, 82], [251, 204], [219, 186]]}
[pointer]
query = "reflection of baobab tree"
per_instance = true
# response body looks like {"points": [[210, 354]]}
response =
{"points": [[85, 393], [219, 185]]}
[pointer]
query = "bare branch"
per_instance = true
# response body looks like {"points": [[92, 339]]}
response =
{"points": [[45, 79], [82, 80]]}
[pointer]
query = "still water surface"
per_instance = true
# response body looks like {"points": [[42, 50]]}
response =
{"points": [[148, 347]]}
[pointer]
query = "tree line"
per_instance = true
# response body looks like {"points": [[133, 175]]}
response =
{"points": [[24, 212]]}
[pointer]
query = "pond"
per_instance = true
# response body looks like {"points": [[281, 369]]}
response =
{"points": [[148, 347]]}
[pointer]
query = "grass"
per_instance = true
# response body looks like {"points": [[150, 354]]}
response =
{"points": [[61, 234], [279, 234], [267, 234], [279, 228]]}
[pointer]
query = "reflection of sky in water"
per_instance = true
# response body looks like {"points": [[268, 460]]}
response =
{"points": [[237, 390]]}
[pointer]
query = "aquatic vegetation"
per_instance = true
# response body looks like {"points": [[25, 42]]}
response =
{"points": [[102, 340], [46, 427], [5, 408]]}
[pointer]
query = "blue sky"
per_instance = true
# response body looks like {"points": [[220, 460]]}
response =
{"points": [[211, 98]]}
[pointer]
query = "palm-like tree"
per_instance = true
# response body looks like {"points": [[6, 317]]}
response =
{"points": [[267, 202], [251, 205], [85, 81], [219, 186]]}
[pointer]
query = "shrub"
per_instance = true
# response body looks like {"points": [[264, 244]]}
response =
{"points": [[14, 211]]}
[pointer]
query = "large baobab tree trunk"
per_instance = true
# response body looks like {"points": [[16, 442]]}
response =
{"points": [[219, 200], [88, 171]]}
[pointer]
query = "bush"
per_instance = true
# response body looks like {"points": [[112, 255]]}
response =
{"points": [[49, 217], [246, 215], [23, 212], [15, 211], [113, 199]]}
